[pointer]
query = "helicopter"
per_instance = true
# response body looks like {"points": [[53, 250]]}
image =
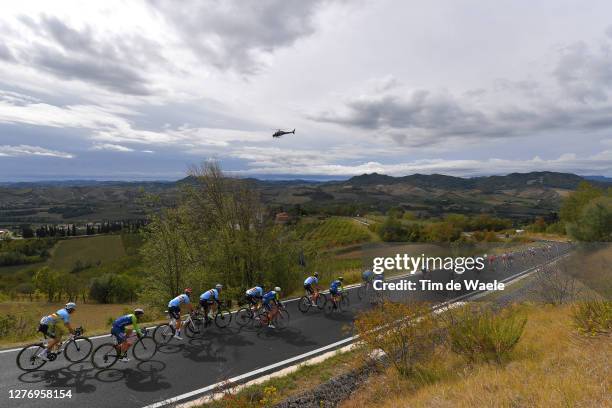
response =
{"points": [[280, 132]]}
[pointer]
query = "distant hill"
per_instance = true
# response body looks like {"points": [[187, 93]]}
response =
{"points": [[516, 195], [599, 178], [513, 180]]}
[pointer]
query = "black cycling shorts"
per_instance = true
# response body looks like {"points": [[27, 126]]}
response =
{"points": [[309, 289], [44, 329], [174, 312], [252, 300]]}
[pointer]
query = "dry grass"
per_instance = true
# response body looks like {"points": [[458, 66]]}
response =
{"points": [[552, 366]]}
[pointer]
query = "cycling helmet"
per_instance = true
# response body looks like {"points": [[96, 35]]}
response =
{"points": [[138, 311], [70, 306], [316, 274], [188, 291], [218, 286], [277, 289], [340, 278]]}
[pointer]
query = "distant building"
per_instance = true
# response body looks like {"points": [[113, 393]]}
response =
{"points": [[282, 218]]}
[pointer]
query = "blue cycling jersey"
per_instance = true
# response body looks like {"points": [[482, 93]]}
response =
{"points": [[180, 299], [123, 321], [270, 296], [335, 285], [53, 318], [367, 275], [311, 280], [210, 295], [257, 291]]}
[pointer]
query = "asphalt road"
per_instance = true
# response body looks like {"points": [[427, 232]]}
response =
{"points": [[216, 356]]}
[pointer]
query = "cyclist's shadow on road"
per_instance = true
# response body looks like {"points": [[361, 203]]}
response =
{"points": [[76, 376], [80, 377], [289, 335], [146, 377]]}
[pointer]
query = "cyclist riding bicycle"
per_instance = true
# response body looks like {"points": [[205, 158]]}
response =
{"points": [[210, 298], [367, 276], [253, 296], [270, 299], [335, 289], [121, 333], [174, 310], [52, 326], [311, 284]]}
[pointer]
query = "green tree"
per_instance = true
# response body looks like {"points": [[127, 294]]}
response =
{"points": [[572, 206], [594, 222], [47, 281]]}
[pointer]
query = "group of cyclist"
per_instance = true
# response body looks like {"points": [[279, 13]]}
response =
{"points": [[52, 326]]}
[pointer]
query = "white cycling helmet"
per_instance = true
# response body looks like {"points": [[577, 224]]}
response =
{"points": [[218, 286], [70, 306], [277, 289]]}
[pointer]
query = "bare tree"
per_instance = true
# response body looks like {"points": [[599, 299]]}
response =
{"points": [[554, 285]]}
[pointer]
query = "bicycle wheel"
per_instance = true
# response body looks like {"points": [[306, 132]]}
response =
{"points": [[223, 318], [361, 292], [244, 316], [163, 334], [28, 359], [78, 349], [329, 307], [281, 321], [104, 356], [304, 304], [321, 300], [344, 303], [190, 329], [145, 348], [261, 319]]}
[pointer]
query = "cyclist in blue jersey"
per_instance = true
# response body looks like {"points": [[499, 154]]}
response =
{"points": [[335, 289], [121, 333], [311, 284], [174, 310], [367, 276], [254, 295], [210, 298], [52, 326], [270, 299]]}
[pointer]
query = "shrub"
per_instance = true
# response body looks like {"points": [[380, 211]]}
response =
{"points": [[407, 334], [483, 335], [593, 317], [18, 327]]}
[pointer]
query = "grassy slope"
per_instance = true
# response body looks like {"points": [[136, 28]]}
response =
{"points": [[335, 232], [552, 366], [103, 248]]}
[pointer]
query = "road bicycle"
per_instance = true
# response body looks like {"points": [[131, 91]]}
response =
{"points": [[247, 314], [192, 325], [279, 321], [305, 302], [107, 354], [76, 349], [339, 305], [365, 290]]}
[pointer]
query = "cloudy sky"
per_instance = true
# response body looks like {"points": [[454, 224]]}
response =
{"points": [[141, 90]]}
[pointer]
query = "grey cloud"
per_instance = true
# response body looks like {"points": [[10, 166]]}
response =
{"points": [[5, 53], [584, 75], [420, 119], [231, 34], [117, 63]]}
